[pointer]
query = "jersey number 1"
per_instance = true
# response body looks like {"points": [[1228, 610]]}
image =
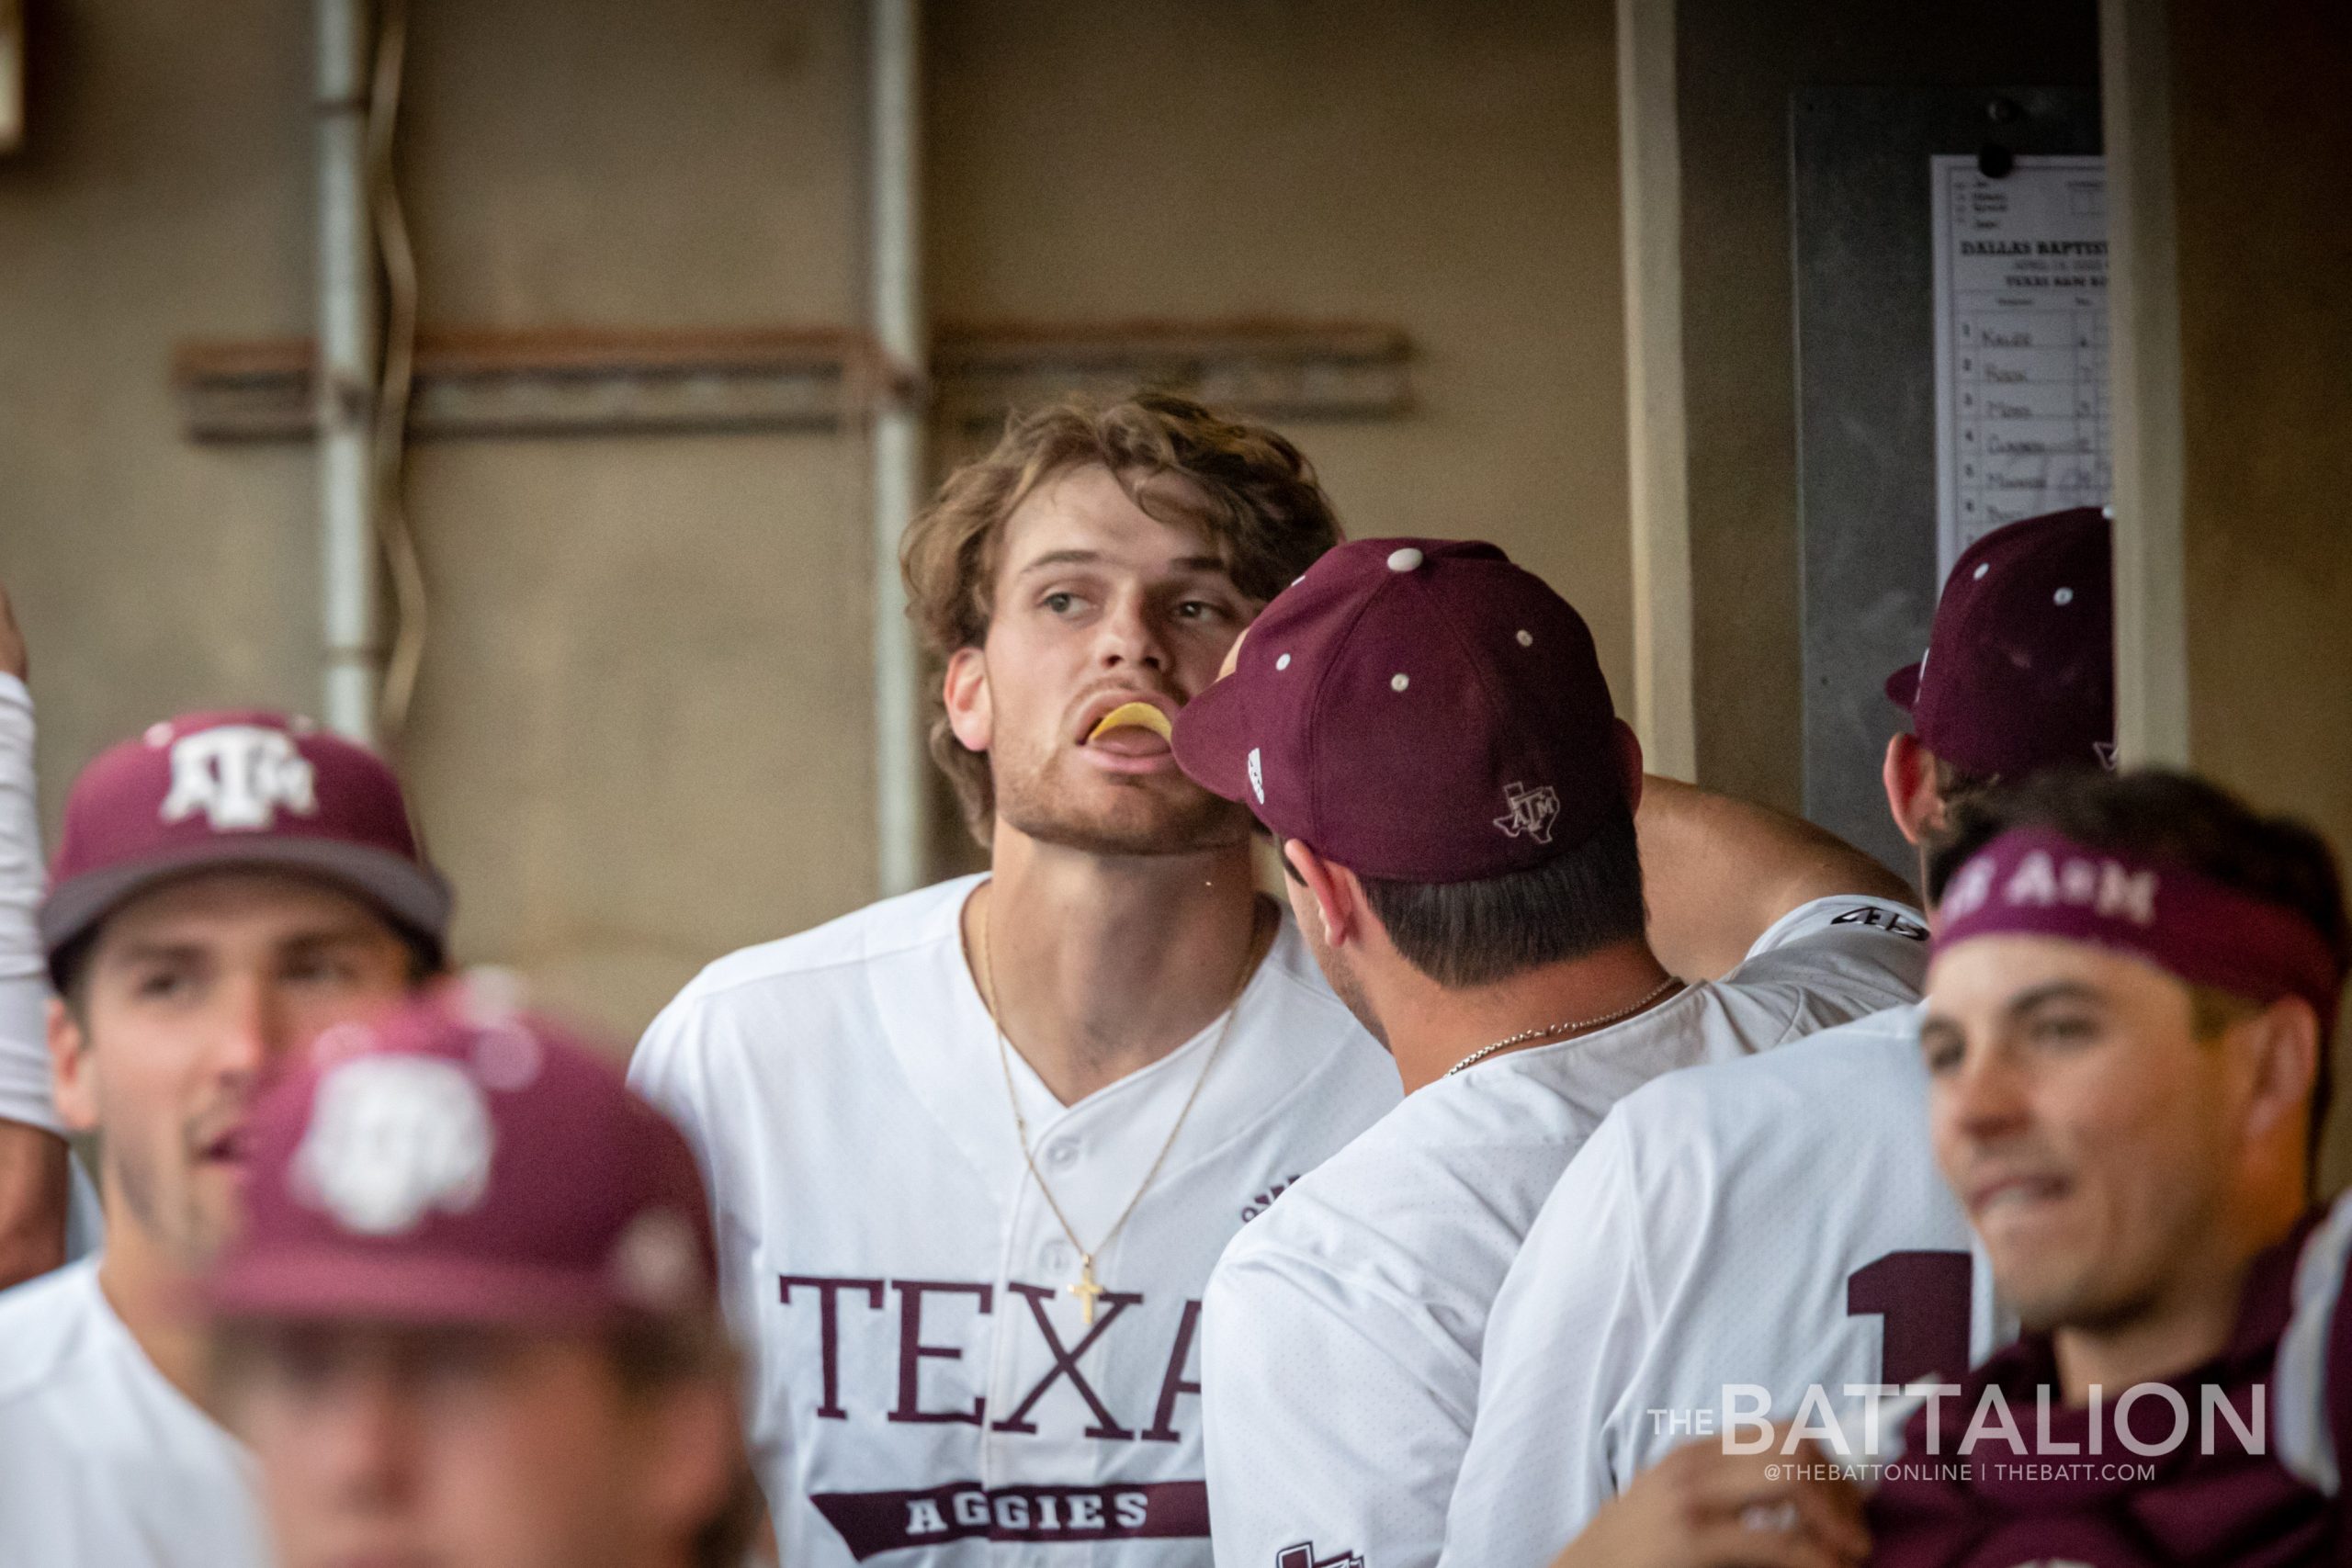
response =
{"points": [[1922, 1299]]}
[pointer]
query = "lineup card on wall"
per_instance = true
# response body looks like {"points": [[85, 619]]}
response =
{"points": [[2021, 408]]}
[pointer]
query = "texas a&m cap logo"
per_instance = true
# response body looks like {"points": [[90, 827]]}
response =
{"points": [[458, 1161], [393, 1137], [240, 777], [1533, 811]]}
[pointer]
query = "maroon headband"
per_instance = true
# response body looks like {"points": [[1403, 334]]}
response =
{"points": [[2034, 882]]}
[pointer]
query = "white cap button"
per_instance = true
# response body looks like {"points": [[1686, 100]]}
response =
{"points": [[2063, 596], [1399, 682], [1525, 641], [1405, 559], [1282, 662]]}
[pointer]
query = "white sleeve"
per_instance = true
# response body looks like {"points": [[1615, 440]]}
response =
{"points": [[670, 1069], [678, 1067], [1570, 1331], [1326, 1434], [2312, 1381], [1837, 959], [657, 1068], [667, 1070], [24, 977]]}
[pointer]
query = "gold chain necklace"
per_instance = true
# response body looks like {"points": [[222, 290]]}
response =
{"points": [[1538, 1032], [1086, 1290]]}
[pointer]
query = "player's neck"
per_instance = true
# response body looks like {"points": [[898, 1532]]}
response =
{"points": [[156, 1299], [1430, 1028], [2188, 1322], [1105, 965]]}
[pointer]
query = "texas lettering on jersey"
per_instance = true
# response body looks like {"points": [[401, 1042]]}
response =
{"points": [[924, 1390], [872, 1522]]}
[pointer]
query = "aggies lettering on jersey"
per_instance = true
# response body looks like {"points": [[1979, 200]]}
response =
{"points": [[922, 1378]]}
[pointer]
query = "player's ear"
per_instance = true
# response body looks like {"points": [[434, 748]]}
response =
{"points": [[1912, 797], [71, 1081], [2284, 1043], [1333, 890], [965, 688]]}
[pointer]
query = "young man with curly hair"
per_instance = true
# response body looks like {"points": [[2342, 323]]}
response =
{"points": [[973, 1151]]}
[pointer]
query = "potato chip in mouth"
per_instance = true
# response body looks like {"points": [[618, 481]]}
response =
{"points": [[1142, 715]]}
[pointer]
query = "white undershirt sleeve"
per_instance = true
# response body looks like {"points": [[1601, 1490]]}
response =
{"points": [[24, 980]]}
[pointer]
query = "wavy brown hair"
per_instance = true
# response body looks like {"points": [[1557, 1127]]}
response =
{"points": [[1247, 489]]}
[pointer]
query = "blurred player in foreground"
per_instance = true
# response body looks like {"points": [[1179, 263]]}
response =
{"points": [[1425, 727], [470, 1319], [1763, 1234], [227, 886], [973, 1151], [2126, 1033]]}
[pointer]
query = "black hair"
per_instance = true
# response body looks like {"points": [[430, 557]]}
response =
{"points": [[1477, 933]]}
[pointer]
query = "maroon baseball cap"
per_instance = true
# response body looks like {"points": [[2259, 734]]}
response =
{"points": [[1416, 709], [242, 788], [462, 1162], [2019, 674]]}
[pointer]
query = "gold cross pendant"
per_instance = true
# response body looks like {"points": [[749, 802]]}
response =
{"points": [[1086, 1290]]}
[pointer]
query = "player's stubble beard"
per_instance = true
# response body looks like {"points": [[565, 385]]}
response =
{"points": [[2130, 1291], [174, 1214], [1148, 815]]}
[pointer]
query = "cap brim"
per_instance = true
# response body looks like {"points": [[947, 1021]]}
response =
{"points": [[1211, 740], [412, 893], [1903, 686], [336, 1284]]}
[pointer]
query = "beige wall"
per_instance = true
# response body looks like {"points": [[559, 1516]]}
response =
{"points": [[158, 196], [1449, 167], [642, 734], [641, 738], [2262, 140], [1737, 63], [2262, 137]]}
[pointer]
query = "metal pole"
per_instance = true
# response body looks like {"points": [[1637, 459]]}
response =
{"points": [[895, 288], [346, 373]]}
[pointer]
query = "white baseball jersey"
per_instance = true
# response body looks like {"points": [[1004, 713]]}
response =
{"points": [[23, 979], [108, 1464], [1343, 1332], [924, 1387], [1733, 1236]]}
